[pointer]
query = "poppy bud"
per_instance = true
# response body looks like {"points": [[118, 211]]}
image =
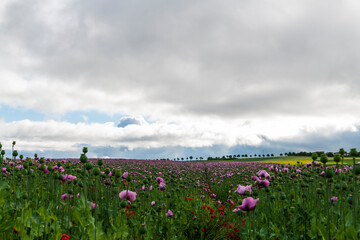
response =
{"points": [[142, 230], [357, 170], [83, 158], [329, 173], [88, 166], [96, 171], [123, 204]]}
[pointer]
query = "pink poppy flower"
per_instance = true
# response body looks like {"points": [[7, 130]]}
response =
{"points": [[162, 186], [248, 204], [124, 176], [159, 180], [242, 189], [169, 213], [128, 195]]}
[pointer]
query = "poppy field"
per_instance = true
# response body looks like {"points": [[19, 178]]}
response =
{"points": [[157, 199]]}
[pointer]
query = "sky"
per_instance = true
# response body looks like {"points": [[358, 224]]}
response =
{"points": [[168, 79]]}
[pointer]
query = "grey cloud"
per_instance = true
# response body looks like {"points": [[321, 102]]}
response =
{"points": [[234, 58], [131, 120]]}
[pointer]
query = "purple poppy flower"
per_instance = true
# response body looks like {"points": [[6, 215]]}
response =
{"points": [[153, 203], [248, 204], [128, 195], [333, 199], [93, 205], [160, 180], [322, 174], [264, 183], [263, 173], [162, 186], [169, 213], [242, 189], [124, 176], [255, 178], [65, 196]]}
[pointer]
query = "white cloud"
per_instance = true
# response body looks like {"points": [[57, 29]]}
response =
{"points": [[205, 72], [63, 136]]}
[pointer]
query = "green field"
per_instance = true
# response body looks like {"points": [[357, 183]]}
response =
{"points": [[293, 160]]}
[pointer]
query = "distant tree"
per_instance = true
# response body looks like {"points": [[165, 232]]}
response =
{"points": [[250, 156], [268, 155], [330, 154], [191, 157], [342, 153], [272, 154], [255, 155], [281, 154], [246, 155]]}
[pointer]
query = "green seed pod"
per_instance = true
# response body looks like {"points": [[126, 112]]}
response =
{"points": [[329, 173], [42, 160], [357, 170], [128, 178], [282, 196], [96, 171], [145, 181], [42, 167], [349, 200], [100, 162], [81, 184], [24, 196], [26, 165], [88, 166], [70, 191], [323, 158], [107, 171], [142, 230], [85, 150], [83, 158], [117, 174], [58, 164], [123, 204], [272, 197]]}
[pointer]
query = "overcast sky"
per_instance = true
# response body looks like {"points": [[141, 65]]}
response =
{"points": [[151, 79]]}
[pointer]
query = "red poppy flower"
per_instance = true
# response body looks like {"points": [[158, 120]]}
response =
{"points": [[64, 237], [203, 230], [16, 231]]}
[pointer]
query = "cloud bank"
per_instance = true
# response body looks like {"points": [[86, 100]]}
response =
{"points": [[203, 73]]}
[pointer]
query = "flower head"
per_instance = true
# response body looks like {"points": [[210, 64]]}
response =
{"points": [[248, 204], [169, 213], [162, 186], [242, 189], [128, 195], [160, 180]]}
